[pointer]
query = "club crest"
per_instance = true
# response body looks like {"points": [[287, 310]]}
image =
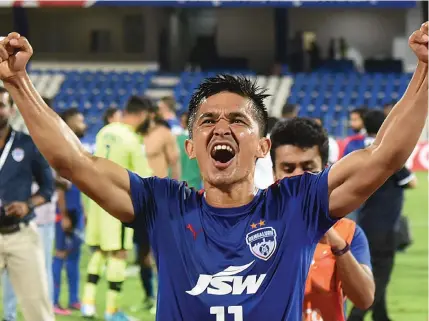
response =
{"points": [[262, 242], [18, 154]]}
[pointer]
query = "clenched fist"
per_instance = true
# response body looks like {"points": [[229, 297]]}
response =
{"points": [[418, 42], [15, 52]]}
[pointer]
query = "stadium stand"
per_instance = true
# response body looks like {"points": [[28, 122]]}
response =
{"points": [[326, 95]]}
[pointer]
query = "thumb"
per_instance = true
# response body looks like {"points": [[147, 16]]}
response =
{"points": [[21, 44]]}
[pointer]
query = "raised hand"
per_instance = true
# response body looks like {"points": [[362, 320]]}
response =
{"points": [[418, 42], [15, 52]]}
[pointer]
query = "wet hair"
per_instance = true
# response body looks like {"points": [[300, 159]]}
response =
{"points": [[69, 113], [108, 114], [239, 85], [372, 121], [302, 133]]}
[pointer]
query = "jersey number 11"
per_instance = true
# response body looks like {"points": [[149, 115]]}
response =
{"points": [[237, 311]]}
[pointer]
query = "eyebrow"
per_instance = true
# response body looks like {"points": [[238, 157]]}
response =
{"points": [[232, 115], [306, 162]]}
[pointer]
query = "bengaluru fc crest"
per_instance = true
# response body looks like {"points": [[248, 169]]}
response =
{"points": [[262, 242]]}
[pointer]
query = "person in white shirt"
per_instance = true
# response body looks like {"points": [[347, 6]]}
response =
{"points": [[264, 166]]}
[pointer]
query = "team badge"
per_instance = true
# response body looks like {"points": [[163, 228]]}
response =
{"points": [[262, 241], [18, 154]]}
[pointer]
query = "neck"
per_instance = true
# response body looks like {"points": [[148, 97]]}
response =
{"points": [[238, 194], [3, 135]]}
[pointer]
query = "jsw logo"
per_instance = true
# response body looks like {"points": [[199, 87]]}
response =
{"points": [[227, 282]]}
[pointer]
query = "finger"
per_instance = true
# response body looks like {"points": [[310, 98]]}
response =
{"points": [[11, 209], [424, 28], [419, 37], [13, 35], [21, 44], [4, 55]]}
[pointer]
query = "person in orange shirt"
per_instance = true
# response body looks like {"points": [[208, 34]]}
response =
{"points": [[341, 265]]}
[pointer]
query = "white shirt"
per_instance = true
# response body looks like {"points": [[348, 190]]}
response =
{"points": [[334, 150], [264, 176]]}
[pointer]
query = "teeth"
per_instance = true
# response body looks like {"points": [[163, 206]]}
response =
{"points": [[219, 147]]}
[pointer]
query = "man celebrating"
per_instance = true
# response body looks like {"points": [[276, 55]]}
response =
{"points": [[232, 252], [300, 145]]}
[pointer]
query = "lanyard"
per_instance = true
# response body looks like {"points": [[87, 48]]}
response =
{"points": [[6, 150]]}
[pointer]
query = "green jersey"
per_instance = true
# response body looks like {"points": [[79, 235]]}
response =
{"points": [[190, 170], [120, 144]]}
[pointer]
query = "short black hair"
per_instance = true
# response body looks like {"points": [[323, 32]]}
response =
{"points": [[239, 85], [69, 113], [372, 121], [289, 109], [137, 104], [302, 133], [109, 113], [361, 111]]}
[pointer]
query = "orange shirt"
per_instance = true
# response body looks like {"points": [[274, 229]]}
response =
{"points": [[324, 298]]}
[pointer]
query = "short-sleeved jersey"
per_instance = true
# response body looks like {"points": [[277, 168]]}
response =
{"points": [[119, 143], [248, 263]]}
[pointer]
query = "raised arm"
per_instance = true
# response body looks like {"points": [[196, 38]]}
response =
{"points": [[105, 182], [356, 177]]}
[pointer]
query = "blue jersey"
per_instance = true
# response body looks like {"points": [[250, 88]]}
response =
{"points": [[248, 263], [74, 206]]}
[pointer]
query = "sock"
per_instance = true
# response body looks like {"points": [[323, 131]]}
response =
{"points": [[95, 267], [115, 275], [146, 278], [72, 268], [57, 267]]}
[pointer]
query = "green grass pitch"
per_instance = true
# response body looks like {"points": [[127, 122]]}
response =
{"points": [[407, 293]]}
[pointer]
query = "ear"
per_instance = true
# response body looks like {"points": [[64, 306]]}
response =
{"points": [[189, 147], [264, 147]]}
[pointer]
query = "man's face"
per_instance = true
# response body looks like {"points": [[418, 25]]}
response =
{"points": [[291, 161], [226, 140], [162, 106], [5, 110], [356, 122], [77, 125]]}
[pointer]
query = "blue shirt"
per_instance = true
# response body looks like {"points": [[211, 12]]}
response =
{"points": [[23, 163], [360, 247], [250, 261]]}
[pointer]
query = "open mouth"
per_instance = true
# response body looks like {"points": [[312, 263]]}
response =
{"points": [[222, 155]]}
